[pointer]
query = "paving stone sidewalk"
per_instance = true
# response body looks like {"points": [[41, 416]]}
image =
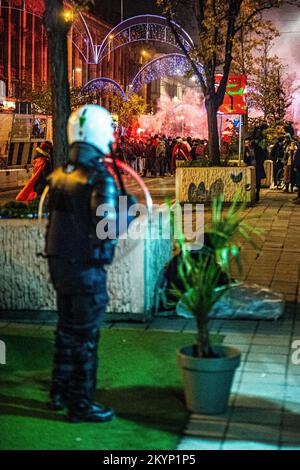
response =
{"points": [[264, 412]]}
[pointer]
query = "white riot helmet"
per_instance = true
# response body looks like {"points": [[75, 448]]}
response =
{"points": [[91, 124]]}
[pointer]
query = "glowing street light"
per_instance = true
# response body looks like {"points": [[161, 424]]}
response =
{"points": [[144, 55], [68, 16]]}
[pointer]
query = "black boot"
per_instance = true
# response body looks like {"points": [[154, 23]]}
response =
{"points": [[62, 370], [57, 402], [83, 382], [85, 412]]}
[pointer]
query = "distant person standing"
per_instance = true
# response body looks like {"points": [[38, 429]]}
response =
{"points": [[180, 153], [249, 158], [42, 167], [148, 158], [255, 155], [296, 165], [161, 152], [36, 131], [277, 156], [197, 151], [289, 155], [260, 156]]}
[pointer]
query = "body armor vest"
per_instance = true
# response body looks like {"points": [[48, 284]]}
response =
{"points": [[71, 233]]}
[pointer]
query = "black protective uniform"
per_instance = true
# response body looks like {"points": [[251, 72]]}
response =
{"points": [[77, 260]]}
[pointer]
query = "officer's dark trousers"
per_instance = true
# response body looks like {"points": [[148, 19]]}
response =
{"points": [[76, 343]]}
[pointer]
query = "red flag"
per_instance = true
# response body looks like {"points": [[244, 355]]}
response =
{"points": [[28, 193]]}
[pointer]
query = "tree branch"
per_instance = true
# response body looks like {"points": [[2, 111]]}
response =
{"points": [[255, 12], [187, 55], [233, 12]]}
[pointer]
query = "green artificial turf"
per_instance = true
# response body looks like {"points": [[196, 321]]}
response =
{"points": [[138, 377]]}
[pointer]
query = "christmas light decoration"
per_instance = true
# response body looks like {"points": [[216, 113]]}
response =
{"points": [[168, 65], [103, 84], [142, 28]]}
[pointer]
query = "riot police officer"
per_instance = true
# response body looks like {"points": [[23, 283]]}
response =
{"points": [[77, 261]]}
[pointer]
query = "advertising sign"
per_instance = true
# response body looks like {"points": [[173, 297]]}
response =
{"points": [[235, 96]]}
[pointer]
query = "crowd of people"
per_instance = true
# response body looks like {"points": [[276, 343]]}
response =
{"points": [[285, 154], [157, 155], [286, 158]]}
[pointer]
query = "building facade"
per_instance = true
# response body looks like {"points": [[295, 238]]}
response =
{"points": [[24, 59], [24, 63]]}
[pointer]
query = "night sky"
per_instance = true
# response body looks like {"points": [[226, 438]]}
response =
{"points": [[109, 10], [287, 20]]}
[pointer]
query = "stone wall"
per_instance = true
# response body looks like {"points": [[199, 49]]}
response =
{"points": [[268, 164], [200, 184], [25, 282]]}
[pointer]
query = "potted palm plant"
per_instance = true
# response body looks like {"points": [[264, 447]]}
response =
{"points": [[208, 369]]}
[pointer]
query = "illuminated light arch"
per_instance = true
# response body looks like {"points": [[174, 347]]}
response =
{"points": [[135, 29], [83, 41], [103, 84], [142, 28], [168, 65]]}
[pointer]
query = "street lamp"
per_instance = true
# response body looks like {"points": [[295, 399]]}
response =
{"points": [[182, 124], [122, 10]]}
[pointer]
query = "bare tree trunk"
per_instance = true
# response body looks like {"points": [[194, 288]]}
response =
{"points": [[213, 134], [57, 29]]}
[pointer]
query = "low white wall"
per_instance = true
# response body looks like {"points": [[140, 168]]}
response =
{"points": [[14, 178], [200, 184], [268, 164], [24, 282]]}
